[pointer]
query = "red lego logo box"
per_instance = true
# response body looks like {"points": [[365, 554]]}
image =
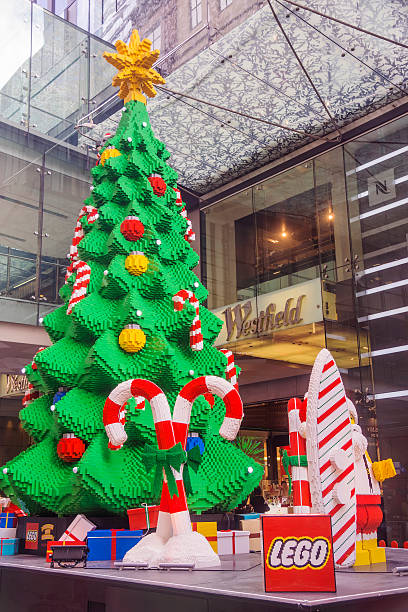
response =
{"points": [[298, 553]]}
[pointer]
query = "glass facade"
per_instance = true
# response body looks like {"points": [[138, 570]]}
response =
{"points": [[54, 77], [317, 257]]}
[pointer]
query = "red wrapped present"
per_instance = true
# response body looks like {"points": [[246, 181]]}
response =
{"points": [[138, 518]]}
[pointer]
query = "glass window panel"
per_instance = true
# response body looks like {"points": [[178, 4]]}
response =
{"points": [[15, 30], [59, 79]]}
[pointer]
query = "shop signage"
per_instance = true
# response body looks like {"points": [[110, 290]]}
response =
{"points": [[298, 553], [13, 384], [271, 312], [381, 187]]}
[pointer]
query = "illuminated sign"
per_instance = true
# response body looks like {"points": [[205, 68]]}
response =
{"points": [[271, 312], [300, 558]]}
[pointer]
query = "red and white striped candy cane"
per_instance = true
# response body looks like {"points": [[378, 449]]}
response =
{"points": [[91, 214], [83, 276], [83, 271], [230, 370], [114, 412], [300, 481], [234, 411], [171, 508], [196, 337], [181, 420], [32, 394], [189, 234]]}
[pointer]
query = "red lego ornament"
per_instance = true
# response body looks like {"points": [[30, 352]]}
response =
{"points": [[70, 448], [158, 185], [132, 228]]}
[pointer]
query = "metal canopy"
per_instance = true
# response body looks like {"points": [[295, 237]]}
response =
{"points": [[253, 70]]}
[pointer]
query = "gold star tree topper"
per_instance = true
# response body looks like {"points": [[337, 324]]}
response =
{"points": [[134, 63]]}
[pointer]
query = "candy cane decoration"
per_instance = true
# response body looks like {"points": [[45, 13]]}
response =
{"points": [[174, 516], [83, 276], [234, 412], [115, 413], [230, 370], [189, 235], [82, 270], [32, 394], [196, 337], [92, 215], [300, 481], [173, 510]]}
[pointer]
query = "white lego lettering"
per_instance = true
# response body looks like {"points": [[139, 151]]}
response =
{"points": [[302, 554], [298, 553], [288, 552]]}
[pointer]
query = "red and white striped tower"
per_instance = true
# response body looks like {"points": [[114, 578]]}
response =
{"points": [[297, 448]]}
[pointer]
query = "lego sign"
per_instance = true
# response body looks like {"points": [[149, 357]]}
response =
{"points": [[298, 553]]}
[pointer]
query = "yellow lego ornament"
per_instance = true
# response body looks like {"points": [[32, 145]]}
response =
{"points": [[136, 263], [108, 153], [132, 339]]}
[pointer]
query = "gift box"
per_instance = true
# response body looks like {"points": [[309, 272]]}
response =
{"points": [[233, 542], [248, 517], [8, 532], [111, 544], [254, 528], [48, 556], [8, 519], [77, 529], [8, 546], [209, 530], [138, 519]]}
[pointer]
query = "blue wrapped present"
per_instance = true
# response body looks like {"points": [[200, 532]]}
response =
{"points": [[8, 519], [111, 544], [247, 517], [8, 546]]}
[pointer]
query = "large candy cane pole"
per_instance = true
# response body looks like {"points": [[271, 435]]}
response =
{"points": [[181, 419], [173, 510], [196, 337], [300, 481]]}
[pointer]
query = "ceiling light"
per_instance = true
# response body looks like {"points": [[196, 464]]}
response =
{"points": [[283, 234], [331, 216]]}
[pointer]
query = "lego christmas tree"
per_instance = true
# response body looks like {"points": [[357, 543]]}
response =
{"points": [[132, 310]]}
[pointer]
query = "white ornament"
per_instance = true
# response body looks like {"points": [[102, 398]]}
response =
{"points": [[144, 124], [196, 284], [139, 313], [40, 320], [5, 470], [124, 109], [92, 188], [191, 372], [250, 470], [129, 139], [105, 272], [23, 370], [75, 469], [52, 408], [158, 242]]}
